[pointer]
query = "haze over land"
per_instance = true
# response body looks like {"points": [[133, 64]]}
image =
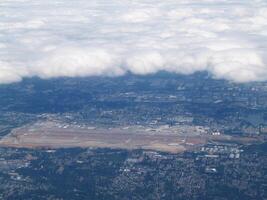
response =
{"points": [[100, 37]]}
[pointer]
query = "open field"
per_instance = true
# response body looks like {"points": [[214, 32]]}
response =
{"points": [[51, 135]]}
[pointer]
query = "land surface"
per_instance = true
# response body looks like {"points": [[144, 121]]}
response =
{"points": [[51, 135], [54, 135], [48, 117]]}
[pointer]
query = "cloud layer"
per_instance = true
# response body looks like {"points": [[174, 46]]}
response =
{"points": [[53, 38]]}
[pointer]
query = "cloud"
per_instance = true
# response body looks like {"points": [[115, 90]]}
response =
{"points": [[53, 38]]}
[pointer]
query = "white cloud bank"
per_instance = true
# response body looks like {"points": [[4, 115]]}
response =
{"points": [[52, 38]]}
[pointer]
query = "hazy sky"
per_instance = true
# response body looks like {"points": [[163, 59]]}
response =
{"points": [[52, 38]]}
